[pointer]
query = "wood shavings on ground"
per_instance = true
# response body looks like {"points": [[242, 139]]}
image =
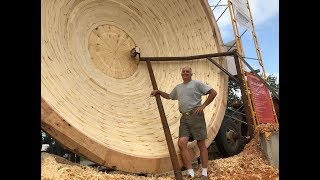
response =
{"points": [[250, 164], [267, 128], [57, 168]]}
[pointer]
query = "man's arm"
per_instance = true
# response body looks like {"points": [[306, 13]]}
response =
{"points": [[212, 94], [162, 94]]}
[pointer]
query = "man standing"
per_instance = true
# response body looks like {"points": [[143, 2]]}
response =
{"points": [[192, 122]]}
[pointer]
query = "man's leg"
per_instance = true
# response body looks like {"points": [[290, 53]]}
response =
{"points": [[182, 143], [203, 153], [203, 156]]}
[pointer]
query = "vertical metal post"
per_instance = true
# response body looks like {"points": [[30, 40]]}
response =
{"points": [[166, 129], [244, 97]]}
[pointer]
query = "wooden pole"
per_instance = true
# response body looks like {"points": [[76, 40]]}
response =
{"points": [[166, 129]]}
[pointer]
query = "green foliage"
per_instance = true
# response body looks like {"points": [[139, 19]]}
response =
{"points": [[233, 92], [272, 81]]}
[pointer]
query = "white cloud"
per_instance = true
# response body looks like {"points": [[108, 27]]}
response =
{"points": [[261, 11]]}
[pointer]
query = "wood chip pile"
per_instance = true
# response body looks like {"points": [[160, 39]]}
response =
{"points": [[250, 164], [57, 168]]}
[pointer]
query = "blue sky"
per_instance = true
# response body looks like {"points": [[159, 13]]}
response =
{"points": [[265, 15]]}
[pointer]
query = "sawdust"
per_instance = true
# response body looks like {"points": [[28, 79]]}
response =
{"points": [[250, 164]]}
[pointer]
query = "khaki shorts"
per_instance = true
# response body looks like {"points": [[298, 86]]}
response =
{"points": [[193, 126]]}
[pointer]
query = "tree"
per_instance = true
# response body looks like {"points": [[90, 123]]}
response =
{"points": [[233, 92], [272, 81]]}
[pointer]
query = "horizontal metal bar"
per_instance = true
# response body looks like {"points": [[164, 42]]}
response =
{"points": [[235, 119], [186, 57], [236, 111], [250, 58]]}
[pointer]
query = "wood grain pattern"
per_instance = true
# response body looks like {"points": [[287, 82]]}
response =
{"points": [[96, 98]]}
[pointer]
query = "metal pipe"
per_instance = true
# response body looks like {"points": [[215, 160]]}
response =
{"points": [[186, 57], [166, 129], [235, 41], [208, 56], [262, 80], [216, 5], [244, 97], [224, 70], [221, 14], [250, 58]]}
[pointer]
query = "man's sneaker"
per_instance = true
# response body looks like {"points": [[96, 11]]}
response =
{"points": [[203, 177]]}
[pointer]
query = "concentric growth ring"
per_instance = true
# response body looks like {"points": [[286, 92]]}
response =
{"points": [[96, 97], [109, 48]]}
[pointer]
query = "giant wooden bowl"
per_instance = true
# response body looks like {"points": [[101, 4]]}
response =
{"points": [[96, 98]]}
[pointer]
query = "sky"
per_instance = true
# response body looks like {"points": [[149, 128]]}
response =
{"points": [[265, 16]]}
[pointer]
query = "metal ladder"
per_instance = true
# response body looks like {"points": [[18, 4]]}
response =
{"points": [[242, 67], [251, 114]]}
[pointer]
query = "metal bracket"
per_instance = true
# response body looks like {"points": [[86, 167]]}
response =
{"points": [[135, 51]]}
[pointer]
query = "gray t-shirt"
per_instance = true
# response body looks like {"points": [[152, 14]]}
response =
{"points": [[189, 94]]}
